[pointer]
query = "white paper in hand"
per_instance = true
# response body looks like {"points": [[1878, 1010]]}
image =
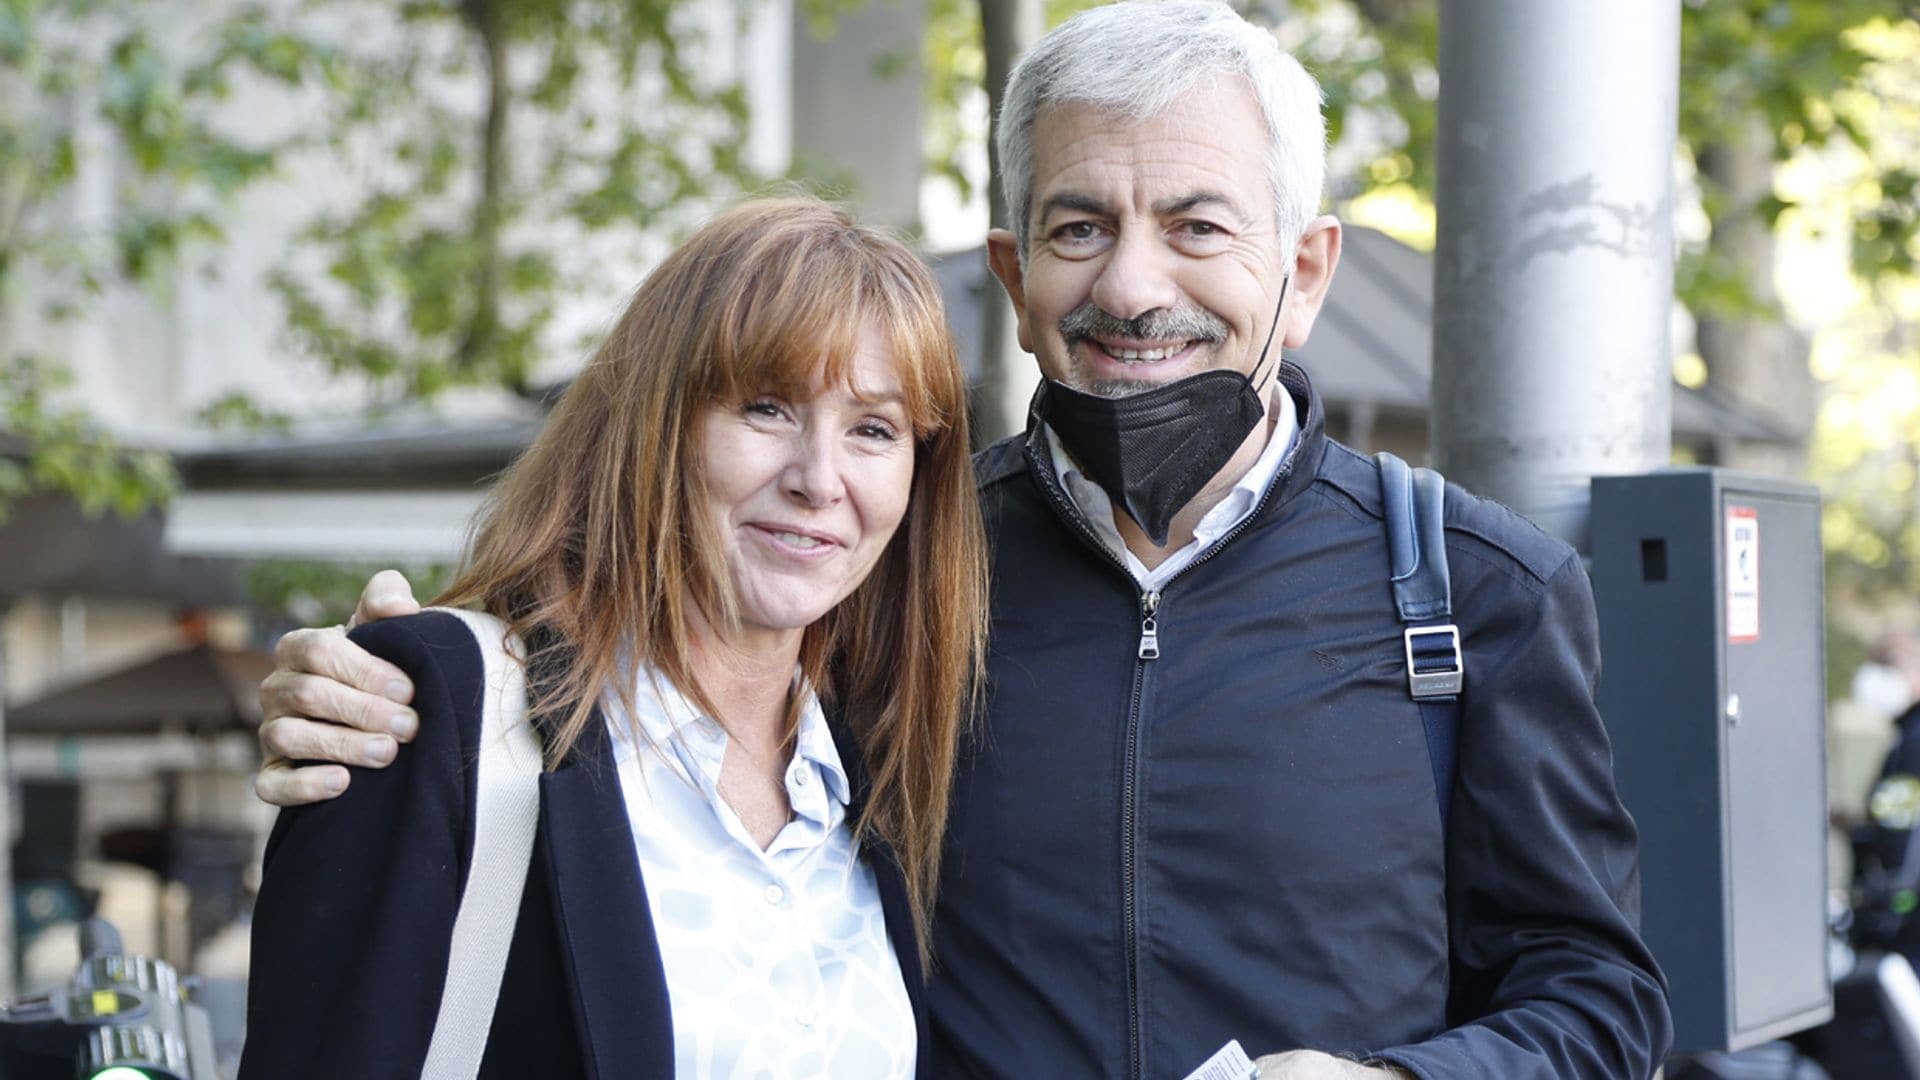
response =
{"points": [[1227, 1063]]}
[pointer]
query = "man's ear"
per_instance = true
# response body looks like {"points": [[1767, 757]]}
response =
{"points": [[1003, 255], [1313, 264]]}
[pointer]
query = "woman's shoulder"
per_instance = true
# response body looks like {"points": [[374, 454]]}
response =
{"points": [[433, 627], [446, 655], [437, 638]]}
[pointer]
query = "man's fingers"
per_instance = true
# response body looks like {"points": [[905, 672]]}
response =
{"points": [[310, 740], [286, 694], [329, 654], [387, 594], [279, 783]]}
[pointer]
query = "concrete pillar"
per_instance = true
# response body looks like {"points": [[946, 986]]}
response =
{"points": [[856, 106], [1553, 274]]}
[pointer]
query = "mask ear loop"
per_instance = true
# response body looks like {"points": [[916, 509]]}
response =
{"points": [[1253, 383]]}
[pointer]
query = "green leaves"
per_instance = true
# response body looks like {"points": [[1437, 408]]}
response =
{"points": [[450, 271], [1813, 71], [66, 452], [68, 65], [322, 593]]}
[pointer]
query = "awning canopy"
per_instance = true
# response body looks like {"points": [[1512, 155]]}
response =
{"points": [[199, 690], [48, 547], [373, 496]]}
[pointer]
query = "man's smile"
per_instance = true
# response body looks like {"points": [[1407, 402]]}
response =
{"points": [[1136, 351]]}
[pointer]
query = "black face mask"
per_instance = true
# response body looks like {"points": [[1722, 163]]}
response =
{"points": [[1153, 451]]}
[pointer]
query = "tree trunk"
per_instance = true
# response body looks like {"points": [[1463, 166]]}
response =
{"points": [[484, 17], [1010, 28], [1754, 358], [9, 959]]}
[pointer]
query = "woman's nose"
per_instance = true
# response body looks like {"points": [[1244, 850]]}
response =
{"points": [[813, 473]]}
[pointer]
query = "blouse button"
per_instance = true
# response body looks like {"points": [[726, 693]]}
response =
{"points": [[799, 776], [805, 1016], [774, 894]]}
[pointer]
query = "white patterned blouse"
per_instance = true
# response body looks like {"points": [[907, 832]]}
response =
{"points": [[778, 962]]}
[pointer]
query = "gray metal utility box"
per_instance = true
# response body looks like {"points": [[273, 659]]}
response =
{"points": [[1713, 689]]}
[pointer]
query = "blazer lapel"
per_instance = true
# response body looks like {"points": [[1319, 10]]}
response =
{"points": [[612, 955]]}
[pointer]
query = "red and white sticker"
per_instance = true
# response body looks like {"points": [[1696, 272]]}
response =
{"points": [[1743, 573]]}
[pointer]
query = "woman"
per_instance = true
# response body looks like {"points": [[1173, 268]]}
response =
{"points": [[752, 510]]}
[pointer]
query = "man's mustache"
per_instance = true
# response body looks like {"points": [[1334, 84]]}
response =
{"points": [[1184, 323]]}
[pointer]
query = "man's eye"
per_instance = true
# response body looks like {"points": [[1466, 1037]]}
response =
{"points": [[1080, 239], [1200, 237]]}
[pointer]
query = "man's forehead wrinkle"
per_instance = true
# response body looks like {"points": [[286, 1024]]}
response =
{"points": [[1090, 162], [1160, 185], [1180, 204], [1142, 168]]}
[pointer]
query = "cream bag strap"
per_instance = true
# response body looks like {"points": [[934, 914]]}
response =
{"points": [[506, 810]]}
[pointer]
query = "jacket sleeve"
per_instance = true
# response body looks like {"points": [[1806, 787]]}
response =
{"points": [[1550, 977], [357, 899]]}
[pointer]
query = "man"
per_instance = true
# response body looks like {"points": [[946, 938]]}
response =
{"points": [[1199, 805]]}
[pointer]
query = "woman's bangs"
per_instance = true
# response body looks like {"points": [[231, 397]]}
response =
{"points": [[802, 330], [771, 335], [923, 353], [903, 291], [795, 316]]}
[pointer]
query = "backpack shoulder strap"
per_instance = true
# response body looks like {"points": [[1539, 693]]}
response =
{"points": [[506, 810], [1414, 502]]}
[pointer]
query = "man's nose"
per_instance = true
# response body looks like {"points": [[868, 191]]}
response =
{"points": [[813, 475], [1136, 278]]}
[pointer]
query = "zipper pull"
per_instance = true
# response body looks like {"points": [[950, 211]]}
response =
{"points": [[1149, 626]]}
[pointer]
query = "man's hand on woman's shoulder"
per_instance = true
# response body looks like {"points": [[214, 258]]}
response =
{"points": [[329, 700]]}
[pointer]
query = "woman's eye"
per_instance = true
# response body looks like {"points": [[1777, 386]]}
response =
{"points": [[878, 430], [763, 407]]}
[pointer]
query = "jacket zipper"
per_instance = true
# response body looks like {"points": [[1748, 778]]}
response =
{"points": [[1148, 651], [1149, 626], [1130, 840]]}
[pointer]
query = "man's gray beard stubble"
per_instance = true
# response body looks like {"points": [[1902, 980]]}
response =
{"points": [[1187, 322]]}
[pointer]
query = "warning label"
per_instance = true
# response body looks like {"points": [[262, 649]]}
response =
{"points": [[1743, 574]]}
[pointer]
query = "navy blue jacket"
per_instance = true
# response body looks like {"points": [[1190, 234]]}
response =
{"points": [[1240, 838], [351, 932]]}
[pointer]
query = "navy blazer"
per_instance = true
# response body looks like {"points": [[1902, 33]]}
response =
{"points": [[352, 928]]}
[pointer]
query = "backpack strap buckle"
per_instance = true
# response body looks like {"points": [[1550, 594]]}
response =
{"points": [[1434, 664]]}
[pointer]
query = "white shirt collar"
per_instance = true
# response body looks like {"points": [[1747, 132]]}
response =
{"points": [[1094, 505], [668, 718]]}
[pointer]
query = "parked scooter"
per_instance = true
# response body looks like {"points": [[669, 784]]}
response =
{"points": [[122, 1017]]}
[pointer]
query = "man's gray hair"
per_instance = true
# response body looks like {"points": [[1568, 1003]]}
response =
{"points": [[1135, 59]]}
